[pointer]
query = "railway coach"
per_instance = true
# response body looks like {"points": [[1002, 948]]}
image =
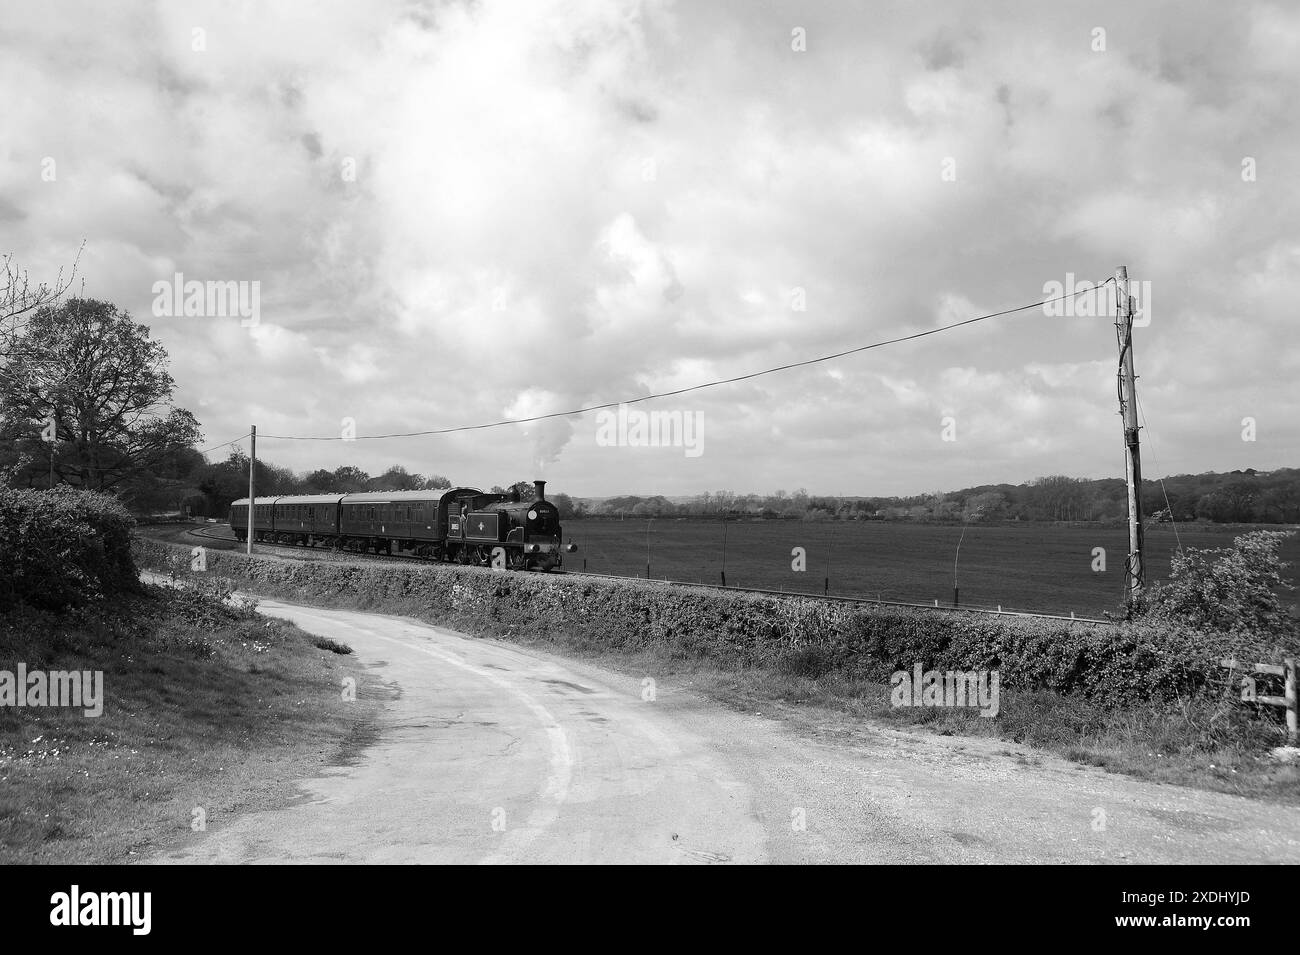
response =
{"points": [[263, 519], [410, 522], [290, 519], [306, 518]]}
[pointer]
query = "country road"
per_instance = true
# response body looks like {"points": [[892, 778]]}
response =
{"points": [[490, 753]]}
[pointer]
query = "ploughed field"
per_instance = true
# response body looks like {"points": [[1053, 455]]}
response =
{"points": [[1044, 568]]}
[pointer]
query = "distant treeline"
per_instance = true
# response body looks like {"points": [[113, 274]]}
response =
{"points": [[192, 484], [1247, 496]]}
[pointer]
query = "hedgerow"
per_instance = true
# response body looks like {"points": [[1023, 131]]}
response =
{"points": [[63, 547], [1115, 664]]}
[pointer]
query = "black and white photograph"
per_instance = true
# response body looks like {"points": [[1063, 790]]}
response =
{"points": [[650, 432]]}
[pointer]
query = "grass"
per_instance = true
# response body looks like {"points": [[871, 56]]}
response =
{"points": [[1045, 568], [209, 711]]}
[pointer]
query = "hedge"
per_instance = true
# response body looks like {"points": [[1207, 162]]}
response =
{"points": [[63, 547], [1115, 664]]}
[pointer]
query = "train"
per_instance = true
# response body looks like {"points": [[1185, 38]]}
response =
{"points": [[458, 525]]}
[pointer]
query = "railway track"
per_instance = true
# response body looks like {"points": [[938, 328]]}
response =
{"points": [[875, 601], [310, 554]]}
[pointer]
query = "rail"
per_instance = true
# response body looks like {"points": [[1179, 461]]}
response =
{"points": [[853, 600]]}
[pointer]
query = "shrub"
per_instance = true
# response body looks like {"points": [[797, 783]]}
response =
{"points": [[1228, 589], [63, 547]]}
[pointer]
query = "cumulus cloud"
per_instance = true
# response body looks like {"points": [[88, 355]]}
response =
{"points": [[459, 213]]}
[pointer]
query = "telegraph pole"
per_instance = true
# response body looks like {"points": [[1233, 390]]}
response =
{"points": [[1133, 575], [252, 470]]}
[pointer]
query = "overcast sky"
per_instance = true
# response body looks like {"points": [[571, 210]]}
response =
{"points": [[458, 213]]}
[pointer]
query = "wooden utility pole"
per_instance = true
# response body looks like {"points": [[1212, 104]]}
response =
{"points": [[252, 487], [1132, 458]]}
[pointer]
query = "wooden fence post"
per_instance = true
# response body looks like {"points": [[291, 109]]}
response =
{"points": [[1292, 718], [1288, 700]]}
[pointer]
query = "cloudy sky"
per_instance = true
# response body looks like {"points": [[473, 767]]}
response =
{"points": [[459, 213]]}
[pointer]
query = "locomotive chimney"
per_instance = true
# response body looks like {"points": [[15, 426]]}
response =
{"points": [[541, 490]]}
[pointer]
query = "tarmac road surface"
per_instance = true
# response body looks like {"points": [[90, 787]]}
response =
{"points": [[493, 753]]}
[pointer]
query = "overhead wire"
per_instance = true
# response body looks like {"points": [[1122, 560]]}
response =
{"points": [[224, 443], [1173, 521], [699, 387]]}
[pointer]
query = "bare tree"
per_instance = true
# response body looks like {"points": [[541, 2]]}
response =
{"points": [[19, 298]]}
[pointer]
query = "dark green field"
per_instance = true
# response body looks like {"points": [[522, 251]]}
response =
{"points": [[1040, 567]]}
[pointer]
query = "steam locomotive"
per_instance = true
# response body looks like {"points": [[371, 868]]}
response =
{"points": [[460, 525]]}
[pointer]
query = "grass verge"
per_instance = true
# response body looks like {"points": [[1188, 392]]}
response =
{"points": [[209, 711]]}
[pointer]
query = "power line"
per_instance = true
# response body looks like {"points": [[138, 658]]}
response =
{"points": [[707, 384], [224, 443]]}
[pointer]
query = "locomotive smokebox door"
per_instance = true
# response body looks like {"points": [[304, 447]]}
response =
{"points": [[481, 527]]}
